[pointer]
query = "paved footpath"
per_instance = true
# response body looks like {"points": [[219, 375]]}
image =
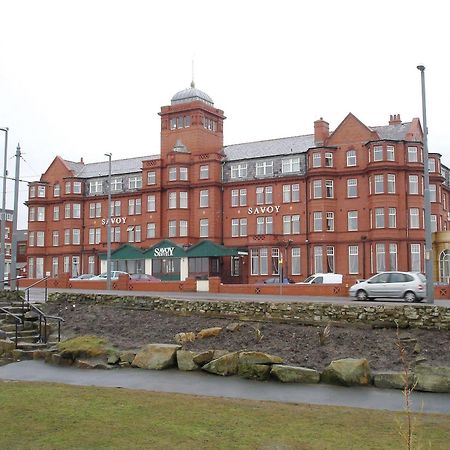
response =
{"points": [[201, 383]]}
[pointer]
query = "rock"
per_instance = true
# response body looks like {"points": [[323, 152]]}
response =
{"points": [[113, 358], [417, 348], [156, 356], [20, 355], [293, 374], [127, 356], [204, 357], [185, 360], [209, 332], [92, 364], [3, 334], [182, 338], [6, 346], [392, 380], [347, 372], [235, 326], [219, 353], [225, 365], [258, 358], [59, 360], [420, 360], [432, 379], [31, 315], [254, 371]]}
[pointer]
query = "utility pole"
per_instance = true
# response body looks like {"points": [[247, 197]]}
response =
{"points": [[3, 218], [108, 228], [14, 227]]}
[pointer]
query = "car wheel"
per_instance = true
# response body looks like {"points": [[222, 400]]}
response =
{"points": [[361, 295], [410, 297]]}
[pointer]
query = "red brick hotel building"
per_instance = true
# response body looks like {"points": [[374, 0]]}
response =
{"points": [[348, 201]]}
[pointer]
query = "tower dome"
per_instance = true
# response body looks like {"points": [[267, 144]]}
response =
{"points": [[191, 94]]}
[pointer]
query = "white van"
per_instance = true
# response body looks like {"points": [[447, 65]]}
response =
{"points": [[323, 278]]}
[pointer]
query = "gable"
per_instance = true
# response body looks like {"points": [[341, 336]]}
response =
{"points": [[351, 130], [56, 171]]}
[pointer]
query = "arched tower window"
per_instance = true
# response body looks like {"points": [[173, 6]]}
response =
{"points": [[444, 266]]}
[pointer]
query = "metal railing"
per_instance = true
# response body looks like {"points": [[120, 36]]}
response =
{"points": [[27, 289], [17, 319]]}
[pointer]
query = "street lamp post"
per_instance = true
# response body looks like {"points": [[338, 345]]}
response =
{"points": [[427, 206], [3, 218], [108, 228]]}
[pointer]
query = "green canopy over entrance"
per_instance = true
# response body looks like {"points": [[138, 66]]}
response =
{"points": [[124, 252], [165, 249], [208, 248]]}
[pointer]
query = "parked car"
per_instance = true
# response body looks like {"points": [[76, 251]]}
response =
{"points": [[323, 278], [83, 276], [114, 275], [275, 280], [411, 286], [144, 277]]}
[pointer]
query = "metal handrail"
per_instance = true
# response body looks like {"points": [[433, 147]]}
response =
{"points": [[44, 317], [11, 279], [17, 318], [27, 290]]}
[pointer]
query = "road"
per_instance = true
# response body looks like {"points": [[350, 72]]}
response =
{"points": [[201, 383]]}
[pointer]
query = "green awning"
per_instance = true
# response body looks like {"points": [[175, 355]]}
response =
{"points": [[165, 249], [208, 248], [124, 252]]}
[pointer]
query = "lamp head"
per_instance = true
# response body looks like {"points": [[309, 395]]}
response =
{"points": [[421, 68]]}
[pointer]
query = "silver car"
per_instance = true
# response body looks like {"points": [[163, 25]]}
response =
{"points": [[410, 286]]}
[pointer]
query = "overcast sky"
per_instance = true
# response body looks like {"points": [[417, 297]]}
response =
{"points": [[83, 78]]}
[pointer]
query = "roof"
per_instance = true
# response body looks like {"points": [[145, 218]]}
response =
{"points": [[100, 169], [126, 251], [191, 94], [395, 132], [165, 248], [272, 147], [208, 248]]}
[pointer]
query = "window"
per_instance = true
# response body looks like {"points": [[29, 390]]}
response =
{"points": [[328, 159], [414, 218], [380, 257], [41, 213], [67, 211], [432, 193], [390, 154], [41, 192], [183, 228], [31, 239], [242, 197], [259, 261], [151, 177], [290, 165], [234, 227], [353, 259], [317, 224], [77, 187], [91, 264], [269, 225], [116, 184], [40, 239], [351, 158], [268, 195], [116, 208], [239, 170], [66, 236], [291, 224], [318, 259], [264, 195], [39, 267], [134, 233], [316, 160], [76, 211], [275, 261], [68, 187], [329, 189], [391, 183], [204, 228], [55, 238], [134, 206], [204, 198], [431, 165], [393, 256], [243, 227], [151, 230], [433, 223], [330, 259], [412, 154], [32, 193], [183, 173], [135, 182], [172, 200], [235, 266], [76, 236], [183, 200], [115, 234], [413, 184], [352, 187], [415, 258], [392, 218], [295, 261], [55, 266], [317, 189], [378, 153], [56, 190], [330, 221], [264, 168], [95, 187], [151, 203], [352, 220], [379, 217], [204, 172], [379, 184], [66, 264], [260, 225], [31, 214], [75, 266], [234, 197]]}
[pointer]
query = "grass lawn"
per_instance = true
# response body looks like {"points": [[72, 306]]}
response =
{"points": [[53, 416]]}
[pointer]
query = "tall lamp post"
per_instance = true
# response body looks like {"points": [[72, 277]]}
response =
{"points": [[426, 182], [108, 228], [3, 218]]}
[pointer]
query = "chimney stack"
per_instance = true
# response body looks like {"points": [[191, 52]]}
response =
{"points": [[321, 131], [395, 119]]}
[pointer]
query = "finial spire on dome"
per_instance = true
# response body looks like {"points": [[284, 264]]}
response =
{"points": [[192, 82]]}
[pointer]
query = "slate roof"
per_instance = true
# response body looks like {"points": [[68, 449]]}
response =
{"points": [[100, 169], [395, 132], [272, 147]]}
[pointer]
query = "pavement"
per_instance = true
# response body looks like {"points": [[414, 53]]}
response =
{"points": [[204, 384]]}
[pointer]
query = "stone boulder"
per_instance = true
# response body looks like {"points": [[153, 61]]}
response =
{"points": [[92, 364], [258, 358], [225, 365], [209, 332], [392, 380], [156, 356], [347, 372], [432, 379], [185, 360], [127, 356], [203, 358], [254, 371], [293, 374], [182, 338], [6, 346]]}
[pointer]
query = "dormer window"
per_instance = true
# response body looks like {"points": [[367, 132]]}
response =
{"points": [[264, 168], [116, 184], [135, 182], [239, 170], [290, 165], [95, 187]]}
